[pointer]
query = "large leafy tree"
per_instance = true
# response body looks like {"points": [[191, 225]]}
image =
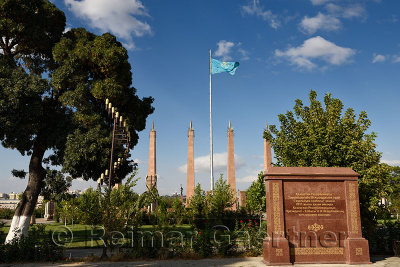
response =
{"points": [[323, 136], [52, 91]]}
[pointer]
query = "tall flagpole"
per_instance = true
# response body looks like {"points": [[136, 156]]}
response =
{"points": [[211, 138]]}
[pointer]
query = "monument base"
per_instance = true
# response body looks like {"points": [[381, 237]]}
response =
{"points": [[356, 251], [276, 251]]}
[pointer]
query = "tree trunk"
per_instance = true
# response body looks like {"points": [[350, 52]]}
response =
{"points": [[26, 206]]}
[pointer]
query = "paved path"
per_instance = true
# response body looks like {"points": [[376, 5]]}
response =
{"points": [[234, 262]]}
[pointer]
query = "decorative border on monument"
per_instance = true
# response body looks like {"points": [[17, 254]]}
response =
{"points": [[276, 206], [317, 251], [353, 208]]}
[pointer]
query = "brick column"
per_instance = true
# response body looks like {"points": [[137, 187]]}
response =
{"points": [[151, 179], [231, 163], [267, 153], [275, 245], [190, 165], [356, 247]]}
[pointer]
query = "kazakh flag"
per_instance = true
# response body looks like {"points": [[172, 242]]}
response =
{"points": [[218, 67]]}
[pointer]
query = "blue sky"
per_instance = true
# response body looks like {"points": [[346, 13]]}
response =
{"points": [[285, 48]]}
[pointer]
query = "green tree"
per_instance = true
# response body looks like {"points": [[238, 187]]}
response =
{"points": [[322, 136], [119, 206], [199, 206], [52, 91], [124, 201], [69, 211], [394, 197], [162, 214], [179, 210], [222, 197], [91, 210], [56, 186], [255, 195], [148, 198]]}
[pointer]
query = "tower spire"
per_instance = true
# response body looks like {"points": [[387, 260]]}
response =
{"points": [[231, 178], [151, 179], [267, 152], [190, 165]]}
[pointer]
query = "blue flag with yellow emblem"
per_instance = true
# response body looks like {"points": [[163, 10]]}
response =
{"points": [[218, 67]]}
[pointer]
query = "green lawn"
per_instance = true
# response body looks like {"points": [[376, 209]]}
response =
{"points": [[85, 235]]}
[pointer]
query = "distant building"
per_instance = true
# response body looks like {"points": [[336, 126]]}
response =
{"points": [[39, 202], [8, 203], [12, 203], [4, 196], [50, 210], [13, 195]]}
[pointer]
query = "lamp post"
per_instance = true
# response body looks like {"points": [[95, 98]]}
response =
{"points": [[120, 136]]}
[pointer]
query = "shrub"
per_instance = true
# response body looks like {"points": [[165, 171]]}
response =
{"points": [[37, 246], [6, 213], [202, 243], [382, 239]]}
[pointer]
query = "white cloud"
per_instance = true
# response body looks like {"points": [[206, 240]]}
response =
{"points": [[249, 178], [224, 49], [320, 22], [330, 21], [396, 59], [319, 2], [138, 161], [244, 54], [351, 11], [67, 29], [378, 58], [255, 9], [220, 160], [118, 16], [316, 48], [391, 162]]}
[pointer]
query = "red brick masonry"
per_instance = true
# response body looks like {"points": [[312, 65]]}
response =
{"points": [[313, 216]]}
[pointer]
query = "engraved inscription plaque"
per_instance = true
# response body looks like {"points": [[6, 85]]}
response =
{"points": [[313, 216]]}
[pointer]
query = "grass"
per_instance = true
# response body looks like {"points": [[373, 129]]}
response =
{"points": [[86, 236]]}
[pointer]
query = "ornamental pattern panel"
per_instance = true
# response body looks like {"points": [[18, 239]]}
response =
{"points": [[279, 252], [317, 251], [353, 208], [276, 208]]}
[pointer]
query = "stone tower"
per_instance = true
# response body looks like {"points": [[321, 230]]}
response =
{"points": [[267, 153], [231, 160], [190, 165], [151, 179]]}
